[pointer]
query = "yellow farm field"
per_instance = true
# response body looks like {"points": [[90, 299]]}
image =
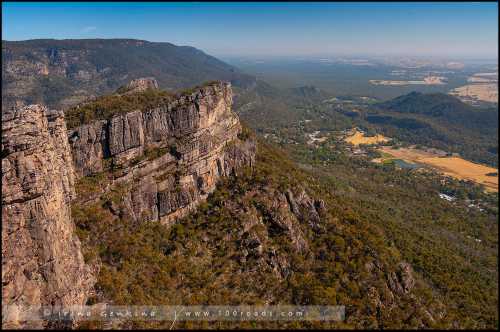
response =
{"points": [[359, 138], [453, 166]]}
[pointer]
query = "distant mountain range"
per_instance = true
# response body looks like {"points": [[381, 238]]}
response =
{"points": [[61, 73]]}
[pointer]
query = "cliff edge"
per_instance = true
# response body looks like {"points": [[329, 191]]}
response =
{"points": [[171, 155], [156, 164], [42, 263]]}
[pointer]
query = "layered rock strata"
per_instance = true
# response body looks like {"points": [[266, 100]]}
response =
{"points": [[42, 263], [166, 160], [193, 141]]}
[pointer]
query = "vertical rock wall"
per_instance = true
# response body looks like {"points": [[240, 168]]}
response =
{"points": [[199, 130], [42, 263]]}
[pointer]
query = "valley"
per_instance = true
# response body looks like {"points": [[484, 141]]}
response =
{"points": [[406, 201], [413, 157], [383, 79], [235, 190], [250, 166]]}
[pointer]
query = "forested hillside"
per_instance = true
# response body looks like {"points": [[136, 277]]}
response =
{"points": [[65, 72], [441, 121], [272, 234]]}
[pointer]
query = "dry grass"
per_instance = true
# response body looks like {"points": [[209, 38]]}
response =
{"points": [[359, 138], [484, 92], [453, 166]]}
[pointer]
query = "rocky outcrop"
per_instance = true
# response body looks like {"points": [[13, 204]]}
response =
{"points": [[142, 84], [397, 285], [42, 263], [172, 155], [306, 209], [165, 160], [273, 215], [401, 281]]}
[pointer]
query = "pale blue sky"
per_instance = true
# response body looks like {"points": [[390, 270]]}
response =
{"points": [[224, 29]]}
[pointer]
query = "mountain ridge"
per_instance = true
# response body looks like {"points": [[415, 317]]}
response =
{"points": [[62, 73]]}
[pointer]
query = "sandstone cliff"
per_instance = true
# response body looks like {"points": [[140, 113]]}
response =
{"points": [[170, 156], [156, 165], [41, 259]]}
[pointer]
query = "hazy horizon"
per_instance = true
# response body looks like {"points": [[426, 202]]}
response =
{"points": [[294, 56], [439, 30]]}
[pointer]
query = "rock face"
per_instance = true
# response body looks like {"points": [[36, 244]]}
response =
{"points": [[42, 263], [172, 156], [278, 215], [166, 160], [142, 84], [402, 281]]}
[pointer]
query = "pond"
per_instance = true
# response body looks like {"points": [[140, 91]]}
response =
{"points": [[403, 164]]}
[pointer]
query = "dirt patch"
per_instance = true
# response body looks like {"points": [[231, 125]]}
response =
{"points": [[357, 138]]}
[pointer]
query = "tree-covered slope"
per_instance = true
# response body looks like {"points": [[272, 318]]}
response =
{"points": [[445, 109], [271, 233], [65, 72], [440, 121]]}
